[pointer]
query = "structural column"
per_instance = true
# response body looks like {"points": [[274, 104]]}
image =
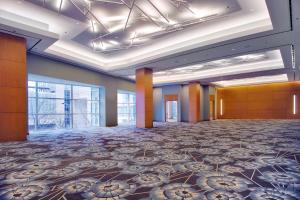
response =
{"points": [[194, 102], [205, 103], [13, 92], [144, 98]]}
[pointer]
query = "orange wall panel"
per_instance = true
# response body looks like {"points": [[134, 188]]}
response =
{"points": [[144, 98], [13, 88], [267, 101], [194, 102]]}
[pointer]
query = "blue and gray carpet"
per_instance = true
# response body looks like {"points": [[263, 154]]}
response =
{"points": [[219, 160]]}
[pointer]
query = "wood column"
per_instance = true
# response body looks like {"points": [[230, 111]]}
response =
{"points": [[13, 88], [194, 102], [144, 98]]}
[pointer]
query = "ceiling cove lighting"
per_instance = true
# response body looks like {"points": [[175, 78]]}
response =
{"points": [[253, 81], [255, 62], [294, 104]]}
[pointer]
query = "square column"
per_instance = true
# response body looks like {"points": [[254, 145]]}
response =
{"points": [[144, 98], [13, 88], [194, 102]]}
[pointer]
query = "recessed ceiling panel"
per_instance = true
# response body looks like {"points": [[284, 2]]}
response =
{"points": [[115, 25], [254, 62]]}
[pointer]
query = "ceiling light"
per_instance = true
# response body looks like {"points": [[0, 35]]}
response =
{"points": [[255, 80], [93, 26], [59, 4], [251, 56], [114, 42], [204, 12], [102, 45], [116, 28]]}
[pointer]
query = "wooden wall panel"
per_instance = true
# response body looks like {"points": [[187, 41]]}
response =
{"points": [[194, 102], [171, 97], [267, 101], [13, 88], [144, 98]]}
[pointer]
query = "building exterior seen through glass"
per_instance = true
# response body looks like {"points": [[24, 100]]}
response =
{"points": [[60, 106], [126, 107]]}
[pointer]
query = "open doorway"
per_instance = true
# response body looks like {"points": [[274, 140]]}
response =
{"points": [[171, 108], [171, 111]]}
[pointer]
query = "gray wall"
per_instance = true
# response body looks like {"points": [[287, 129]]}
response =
{"points": [[205, 104], [158, 105], [158, 101], [46, 67], [183, 101]]}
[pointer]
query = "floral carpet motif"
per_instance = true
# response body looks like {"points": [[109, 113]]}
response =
{"points": [[217, 160]]}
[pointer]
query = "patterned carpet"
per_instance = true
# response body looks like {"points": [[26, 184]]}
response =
{"points": [[220, 160]]}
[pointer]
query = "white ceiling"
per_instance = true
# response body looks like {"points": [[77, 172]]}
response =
{"points": [[247, 28]]}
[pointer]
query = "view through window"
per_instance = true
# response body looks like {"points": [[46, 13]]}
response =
{"points": [[126, 107], [58, 106]]}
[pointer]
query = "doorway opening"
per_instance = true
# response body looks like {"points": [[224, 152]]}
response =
{"points": [[171, 111]]}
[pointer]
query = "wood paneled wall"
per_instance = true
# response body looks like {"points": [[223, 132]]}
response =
{"points": [[144, 98], [194, 102], [268, 101], [171, 97], [13, 88]]}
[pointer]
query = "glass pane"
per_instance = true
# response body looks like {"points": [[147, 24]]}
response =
{"points": [[81, 106], [123, 98], [95, 107], [31, 92], [95, 94], [123, 108], [52, 106], [31, 84], [31, 121], [95, 120], [81, 92], [31, 106], [132, 98], [51, 90], [126, 107], [122, 118], [81, 120], [51, 122]]}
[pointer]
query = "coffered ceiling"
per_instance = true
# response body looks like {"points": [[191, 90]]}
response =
{"points": [[181, 40]]}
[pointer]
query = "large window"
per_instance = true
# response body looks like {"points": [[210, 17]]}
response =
{"points": [[57, 106], [126, 107]]}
